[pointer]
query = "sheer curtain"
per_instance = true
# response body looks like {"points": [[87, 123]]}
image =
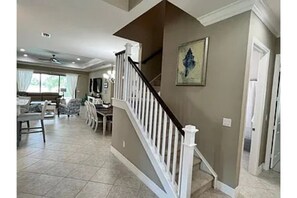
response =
{"points": [[71, 80], [24, 77]]}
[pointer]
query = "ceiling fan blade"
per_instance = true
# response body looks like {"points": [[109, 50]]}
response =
{"points": [[45, 59]]}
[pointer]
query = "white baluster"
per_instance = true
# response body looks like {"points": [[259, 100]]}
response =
{"points": [[174, 155], [164, 137], [147, 109], [137, 94], [140, 98], [133, 88], [169, 146], [151, 117], [143, 105], [159, 129], [187, 161], [180, 162], [155, 122]]}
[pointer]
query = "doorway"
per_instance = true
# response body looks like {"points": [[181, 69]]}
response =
{"points": [[257, 84]]}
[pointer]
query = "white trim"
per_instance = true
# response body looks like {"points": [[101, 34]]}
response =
{"points": [[147, 181], [272, 111], [253, 167], [225, 12], [158, 166], [257, 6], [226, 189]]}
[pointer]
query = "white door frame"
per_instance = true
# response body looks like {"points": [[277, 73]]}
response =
{"points": [[272, 111], [254, 167]]}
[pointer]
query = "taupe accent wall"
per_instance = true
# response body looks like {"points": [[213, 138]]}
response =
{"points": [[205, 106], [82, 82], [147, 29], [107, 93], [123, 130]]}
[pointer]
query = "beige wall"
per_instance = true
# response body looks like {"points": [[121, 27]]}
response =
{"points": [[259, 31], [82, 82], [123, 130], [107, 93], [206, 106]]}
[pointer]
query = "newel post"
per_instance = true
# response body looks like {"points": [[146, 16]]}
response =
{"points": [[126, 65], [187, 161]]}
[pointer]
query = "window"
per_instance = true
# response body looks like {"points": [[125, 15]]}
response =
{"points": [[47, 83]]}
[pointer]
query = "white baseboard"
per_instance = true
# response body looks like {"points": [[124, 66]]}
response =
{"points": [[226, 189], [147, 181]]}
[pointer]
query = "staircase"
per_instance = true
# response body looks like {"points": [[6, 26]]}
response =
{"points": [[182, 169], [156, 83]]}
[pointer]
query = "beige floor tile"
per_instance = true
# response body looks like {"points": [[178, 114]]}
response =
{"points": [[66, 188], [25, 195], [213, 194], [25, 162], [83, 172], [42, 166], [122, 192], [61, 169], [77, 158], [130, 181], [107, 176], [145, 192], [94, 190], [36, 184], [94, 160]]}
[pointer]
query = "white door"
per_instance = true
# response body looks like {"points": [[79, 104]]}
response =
{"points": [[275, 154], [258, 114]]}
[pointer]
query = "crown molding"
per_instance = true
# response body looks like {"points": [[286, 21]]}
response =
{"points": [[257, 6], [225, 12], [267, 17]]}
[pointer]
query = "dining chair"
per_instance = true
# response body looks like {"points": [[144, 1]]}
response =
{"points": [[94, 117], [27, 117], [88, 113], [25, 108]]}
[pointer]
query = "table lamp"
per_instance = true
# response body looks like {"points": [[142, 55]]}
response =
{"points": [[63, 90]]}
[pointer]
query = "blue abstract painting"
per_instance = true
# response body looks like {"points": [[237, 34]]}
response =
{"points": [[192, 62]]}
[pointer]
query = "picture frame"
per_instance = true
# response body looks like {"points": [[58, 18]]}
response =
{"points": [[192, 61]]}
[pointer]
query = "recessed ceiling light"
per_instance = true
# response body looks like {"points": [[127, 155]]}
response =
{"points": [[73, 62], [44, 34], [25, 55], [22, 50], [78, 59]]}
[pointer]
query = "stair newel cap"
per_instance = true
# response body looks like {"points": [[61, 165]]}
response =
{"points": [[128, 48], [190, 129]]}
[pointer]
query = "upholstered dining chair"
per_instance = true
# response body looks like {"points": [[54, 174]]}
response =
{"points": [[27, 117]]}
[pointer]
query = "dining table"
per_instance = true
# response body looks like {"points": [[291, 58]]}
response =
{"points": [[104, 112]]}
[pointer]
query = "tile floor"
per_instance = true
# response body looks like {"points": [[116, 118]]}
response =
{"points": [[266, 185], [75, 161]]}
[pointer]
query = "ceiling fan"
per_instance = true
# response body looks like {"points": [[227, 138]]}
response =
{"points": [[52, 59]]}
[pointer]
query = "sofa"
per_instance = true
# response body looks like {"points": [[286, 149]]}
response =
{"points": [[53, 97]]}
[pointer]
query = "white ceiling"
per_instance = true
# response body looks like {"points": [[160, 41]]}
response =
{"points": [[85, 29]]}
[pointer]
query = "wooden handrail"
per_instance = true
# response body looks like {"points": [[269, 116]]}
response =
{"points": [[121, 52], [151, 56], [159, 99]]}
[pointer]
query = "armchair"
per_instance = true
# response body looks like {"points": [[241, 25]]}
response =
{"points": [[71, 108]]}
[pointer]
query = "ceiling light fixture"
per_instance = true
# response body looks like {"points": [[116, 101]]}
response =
{"points": [[22, 50], [25, 55], [78, 59], [44, 34], [73, 62]]}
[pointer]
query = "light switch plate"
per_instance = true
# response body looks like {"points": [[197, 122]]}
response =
{"points": [[227, 122]]}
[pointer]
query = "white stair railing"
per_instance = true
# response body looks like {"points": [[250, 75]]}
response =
{"points": [[172, 145]]}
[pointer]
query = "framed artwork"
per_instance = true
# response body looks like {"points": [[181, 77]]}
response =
{"points": [[192, 59]]}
